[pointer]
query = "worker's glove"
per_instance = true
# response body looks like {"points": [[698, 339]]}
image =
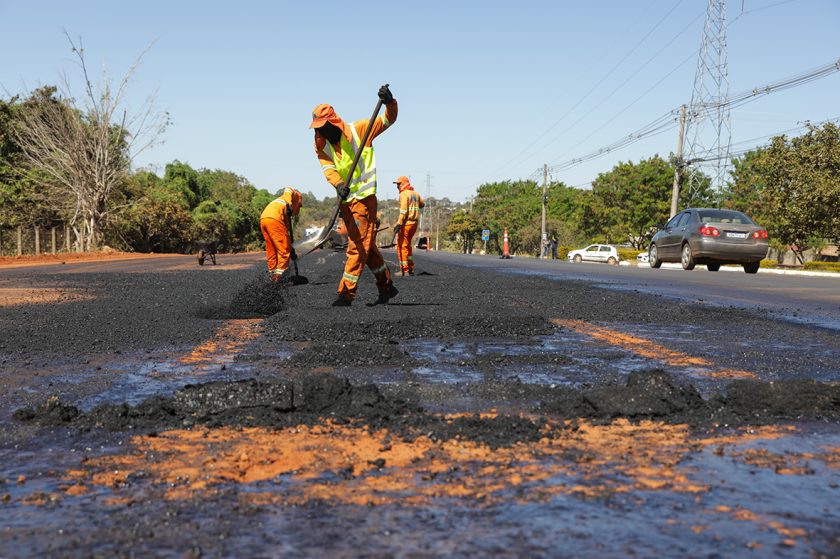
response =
{"points": [[294, 254], [385, 94], [397, 228], [343, 191]]}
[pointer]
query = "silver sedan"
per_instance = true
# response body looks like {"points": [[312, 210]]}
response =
{"points": [[712, 237]]}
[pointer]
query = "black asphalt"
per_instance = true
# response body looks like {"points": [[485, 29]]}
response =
{"points": [[465, 334], [803, 298]]}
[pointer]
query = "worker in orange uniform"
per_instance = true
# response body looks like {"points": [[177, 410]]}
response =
{"points": [[410, 205], [276, 227], [336, 145]]}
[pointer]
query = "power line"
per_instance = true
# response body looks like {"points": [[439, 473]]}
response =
{"points": [[627, 107], [593, 88], [747, 96], [745, 146], [668, 120], [622, 84]]}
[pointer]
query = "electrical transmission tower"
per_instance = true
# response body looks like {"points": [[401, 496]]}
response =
{"points": [[708, 128]]}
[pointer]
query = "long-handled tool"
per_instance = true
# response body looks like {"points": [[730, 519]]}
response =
{"points": [[311, 244], [296, 279]]}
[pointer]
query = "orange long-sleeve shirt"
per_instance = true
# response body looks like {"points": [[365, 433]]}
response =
{"points": [[379, 126], [410, 204], [278, 208]]}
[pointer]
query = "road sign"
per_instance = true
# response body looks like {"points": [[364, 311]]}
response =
{"points": [[485, 235]]}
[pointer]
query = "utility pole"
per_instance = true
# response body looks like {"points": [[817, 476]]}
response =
{"points": [[675, 192], [544, 235], [429, 226]]}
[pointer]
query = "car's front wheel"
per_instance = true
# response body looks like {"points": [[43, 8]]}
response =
{"points": [[577, 259], [687, 258], [713, 267], [653, 257], [751, 267], [201, 258]]}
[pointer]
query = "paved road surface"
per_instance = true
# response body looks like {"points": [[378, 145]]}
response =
{"points": [[806, 299], [478, 414]]}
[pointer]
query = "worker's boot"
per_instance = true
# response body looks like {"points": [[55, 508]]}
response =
{"points": [[341, 302], [387, 295]]}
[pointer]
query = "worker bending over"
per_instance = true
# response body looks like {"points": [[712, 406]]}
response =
{"points": [[276, 227], [410, 205], [336, 144]]}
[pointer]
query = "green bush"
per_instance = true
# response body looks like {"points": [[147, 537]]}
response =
{"points": [[628, 254], [823, 266], [769, 263], [563, 252]]}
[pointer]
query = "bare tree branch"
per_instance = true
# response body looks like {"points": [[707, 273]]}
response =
{"points": [[85, 146]]}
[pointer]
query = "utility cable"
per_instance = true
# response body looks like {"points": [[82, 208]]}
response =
{"points": [[658, 125], [750, 145], [588, 93]]}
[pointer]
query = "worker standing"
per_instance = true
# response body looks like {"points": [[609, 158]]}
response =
{"points": [[276, 227], [336, 145], [410, 205]]}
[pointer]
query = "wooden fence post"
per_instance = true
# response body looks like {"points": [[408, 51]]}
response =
{"points": [[37, 240], [53, 240], [20, 240], [66, 238]]}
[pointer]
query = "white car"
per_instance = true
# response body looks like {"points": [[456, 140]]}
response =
{"points": [[595, 253], [643, 258]]}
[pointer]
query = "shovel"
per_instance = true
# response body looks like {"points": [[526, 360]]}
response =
{"points": [[296, 279], [311, 244]]}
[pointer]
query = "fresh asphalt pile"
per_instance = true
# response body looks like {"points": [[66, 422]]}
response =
{"points": [[646, 395]]}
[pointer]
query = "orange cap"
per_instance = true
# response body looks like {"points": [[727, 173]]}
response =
{"points": [[403, 183], [297, 201], [323, 114]]}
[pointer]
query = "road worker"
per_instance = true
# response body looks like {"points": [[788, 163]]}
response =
{"points": [[276, 227], [336, 144], [410, 205]]}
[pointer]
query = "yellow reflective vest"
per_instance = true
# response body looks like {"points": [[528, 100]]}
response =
{"points": [[363, 183]]}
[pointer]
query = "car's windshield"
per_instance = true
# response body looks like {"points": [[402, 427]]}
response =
{"points": [[724, 216]]}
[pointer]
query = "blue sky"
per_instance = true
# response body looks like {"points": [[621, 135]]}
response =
{"points": [[477, 82]]}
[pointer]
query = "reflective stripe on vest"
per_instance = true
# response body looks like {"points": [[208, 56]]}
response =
{"points": [[363, 183]]}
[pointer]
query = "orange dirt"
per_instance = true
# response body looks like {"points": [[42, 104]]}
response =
{"points": [[651, 350], [14, 296], [338, 463], [61, 258], [227, 340]]}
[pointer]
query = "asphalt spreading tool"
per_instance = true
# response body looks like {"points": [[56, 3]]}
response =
{"points": [[308, 245]]}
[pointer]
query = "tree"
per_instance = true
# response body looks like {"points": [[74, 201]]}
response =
{"points": [[792, 188], [631, 200], [85, 146], [24, 192], [464, 228], [159, 220], [744, 191]]}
